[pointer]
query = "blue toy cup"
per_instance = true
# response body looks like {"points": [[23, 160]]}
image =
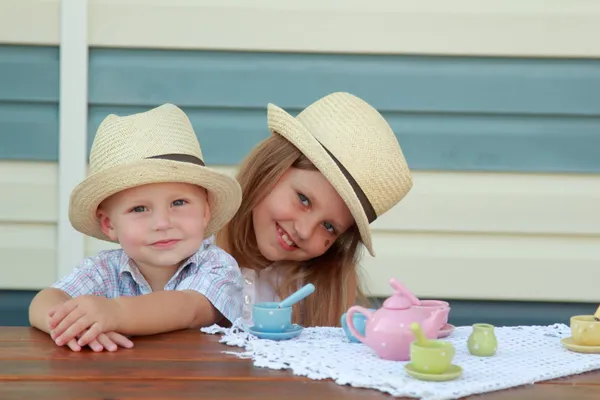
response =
{"points": [[268, 317], [360, 323]]}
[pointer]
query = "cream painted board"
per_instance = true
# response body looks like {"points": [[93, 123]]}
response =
{"points": [[32, 22], [495, 267], [29, 192], [495, 202], [93, 246], [27, 255], [498, 267], [468, 27], [498, 202], [439, 201]]}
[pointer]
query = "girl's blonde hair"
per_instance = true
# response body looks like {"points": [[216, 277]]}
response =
{"points": [[331, 273]]}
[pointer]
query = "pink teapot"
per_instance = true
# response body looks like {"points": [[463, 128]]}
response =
{"points": [[388, 330]]}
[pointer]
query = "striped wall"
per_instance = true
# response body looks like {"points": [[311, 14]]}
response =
{"points": [[440, 27], [504, 138]]}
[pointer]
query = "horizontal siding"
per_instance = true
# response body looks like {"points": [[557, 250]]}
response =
{"points": [[226, 135], [493, 27], [29, 73], [28, 215], [482, 266], [28, 131], [32, 22], [29, 192], [543, 116], [29, 103], [492, 266], [430, 142], [456, 114], [520, 204], [28, 254], [94, 246], [498, 204], [458, 228], [391, 83]]}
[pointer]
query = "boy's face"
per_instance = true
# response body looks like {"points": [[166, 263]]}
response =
{"points": [[157, 225]]}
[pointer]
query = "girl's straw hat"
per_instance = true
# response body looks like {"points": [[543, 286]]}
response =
{"points": [[355, 149], [155, 146]]}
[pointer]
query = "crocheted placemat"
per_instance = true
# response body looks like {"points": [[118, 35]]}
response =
{"points": [[526, 354]]}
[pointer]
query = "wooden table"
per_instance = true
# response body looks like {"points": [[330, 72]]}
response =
{"points": [[190, 365]]}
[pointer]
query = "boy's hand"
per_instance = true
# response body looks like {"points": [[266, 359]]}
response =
{"points": [[74, 317], [110, 341]]}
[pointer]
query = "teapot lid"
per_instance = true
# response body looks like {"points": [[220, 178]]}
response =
{"points": [[397, 301]]}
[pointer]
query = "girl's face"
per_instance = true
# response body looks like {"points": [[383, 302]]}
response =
{"points": [[300, 218]]}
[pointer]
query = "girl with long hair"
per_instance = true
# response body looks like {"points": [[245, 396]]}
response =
{"points": [[310, 191]]}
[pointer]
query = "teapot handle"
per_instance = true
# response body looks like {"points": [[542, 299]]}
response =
{"points": [[350, 321]]}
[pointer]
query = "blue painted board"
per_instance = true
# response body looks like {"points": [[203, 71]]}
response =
{"points": [[29, 73], [29, 83], [225, 135], [450, 113], [430, 141], [389, 82], [29, 131]]}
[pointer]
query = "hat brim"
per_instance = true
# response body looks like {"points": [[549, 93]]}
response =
{"points": [[224, 192], [282, 123]]}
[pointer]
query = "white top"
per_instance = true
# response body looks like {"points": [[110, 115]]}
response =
{"points": [[259, 286]]}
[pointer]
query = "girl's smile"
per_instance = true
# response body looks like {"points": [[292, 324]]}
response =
{"points": [[300, 218], [286, 242]]}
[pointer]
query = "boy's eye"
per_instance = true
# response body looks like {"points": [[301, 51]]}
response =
{"points": [[138, 209], [304, 200], [329, 227], [179, 202]]}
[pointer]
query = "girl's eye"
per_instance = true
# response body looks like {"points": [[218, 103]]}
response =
{"points": [[179, 202], [304, 200], [329, 227], [139, 209]]}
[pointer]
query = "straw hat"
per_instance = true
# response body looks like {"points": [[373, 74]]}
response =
{"points": [[355, 149], [155, 146]]}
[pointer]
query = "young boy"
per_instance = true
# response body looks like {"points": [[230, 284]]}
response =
{"points": [[149, 191]]}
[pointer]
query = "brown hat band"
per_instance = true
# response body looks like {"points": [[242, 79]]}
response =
{"points": [[360, 194], [180, 157]]}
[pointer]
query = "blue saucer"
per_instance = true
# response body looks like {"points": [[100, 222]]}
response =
{"points": [[289, 333]]}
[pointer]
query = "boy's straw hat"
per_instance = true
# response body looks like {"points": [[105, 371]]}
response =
{"points": [[355, 149], [155, 146]]}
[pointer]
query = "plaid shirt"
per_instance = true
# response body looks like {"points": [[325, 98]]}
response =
{"points": [[210, 271]]}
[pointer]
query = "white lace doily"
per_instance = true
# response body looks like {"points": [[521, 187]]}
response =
{"points": [[526, 354]]}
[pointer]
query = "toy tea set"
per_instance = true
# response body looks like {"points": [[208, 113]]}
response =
{"points": [[273, 320], [408, 329], [585, 334]]}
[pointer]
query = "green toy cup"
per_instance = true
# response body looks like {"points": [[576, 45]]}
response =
{"points": [[434, 358]]}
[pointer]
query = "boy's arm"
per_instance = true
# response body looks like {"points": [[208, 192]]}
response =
{"points": [[212, 290], [164, 311], [86, 278], [41, 305]]}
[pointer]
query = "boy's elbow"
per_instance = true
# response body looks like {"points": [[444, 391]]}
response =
{"points": [[41, 304], [36, 311], [204, 313]]}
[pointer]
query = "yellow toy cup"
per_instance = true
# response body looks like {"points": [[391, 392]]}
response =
{"points": [[585, 330]]}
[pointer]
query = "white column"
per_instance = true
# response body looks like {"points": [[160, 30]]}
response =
{"points": [[72, 162]]}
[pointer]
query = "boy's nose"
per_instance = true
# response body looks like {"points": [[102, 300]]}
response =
{"points": [[161, 220]]}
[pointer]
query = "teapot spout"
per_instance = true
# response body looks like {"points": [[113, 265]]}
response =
{"points": [[433, 324]]}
